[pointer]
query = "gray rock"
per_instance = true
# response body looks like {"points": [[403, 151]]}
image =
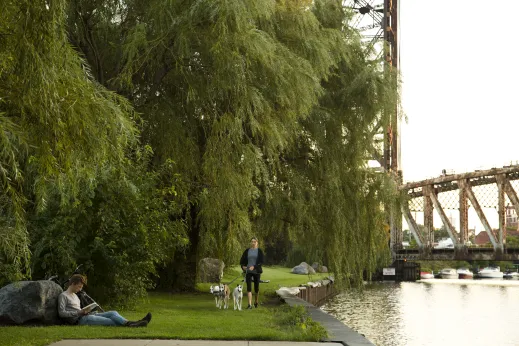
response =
{"points": [[300, 270], [303, 268], [308, 267], [316, 266], [210, 270], [30, 302], [323, 269]]}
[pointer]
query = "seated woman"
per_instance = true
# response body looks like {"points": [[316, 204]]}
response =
{"points": [[69, 309]]}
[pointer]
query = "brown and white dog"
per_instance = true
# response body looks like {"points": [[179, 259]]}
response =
{"points": [[221, 294]]}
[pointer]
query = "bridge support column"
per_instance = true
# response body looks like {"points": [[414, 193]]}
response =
{"points": [[396, 227], [501, 179], [428, 217], [464, 214]]}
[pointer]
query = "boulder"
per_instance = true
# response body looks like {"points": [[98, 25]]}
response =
{"points": [[300, 270], [284, 291], [210, 270], [319, 268], [323, 269], [303, 268], [309, 267], [30, 302]]}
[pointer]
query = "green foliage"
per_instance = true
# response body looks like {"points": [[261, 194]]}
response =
{"points": [[120, 229], [268, 109], [512, 241], [298, 316], [57, 125]]}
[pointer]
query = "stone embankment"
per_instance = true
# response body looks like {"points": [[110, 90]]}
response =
{"points": [[311, 295]]}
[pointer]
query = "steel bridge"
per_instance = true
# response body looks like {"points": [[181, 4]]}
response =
{"points": [[487, 192], [494, 189]]}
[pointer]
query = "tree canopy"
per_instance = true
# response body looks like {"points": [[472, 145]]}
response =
{"points": [[174, 130]]}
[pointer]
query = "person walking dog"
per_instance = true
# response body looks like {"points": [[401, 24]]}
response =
{"points": [[251, 262]]}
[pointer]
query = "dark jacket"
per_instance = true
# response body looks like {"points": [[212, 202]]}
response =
{"points": [[259, 261]]}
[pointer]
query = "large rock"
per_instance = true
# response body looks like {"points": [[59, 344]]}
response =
{"points": [[283, 291], [303, 268], [30, 302], [319, 268], [323, 269], [210, 270]]}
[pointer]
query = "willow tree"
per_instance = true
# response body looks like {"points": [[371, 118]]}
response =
{"points": [[267, 110], [57, 124], [324, 197]]}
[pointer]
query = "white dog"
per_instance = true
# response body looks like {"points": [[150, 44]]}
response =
{"points": [[221, 295], [215, 290], [237, 295]]}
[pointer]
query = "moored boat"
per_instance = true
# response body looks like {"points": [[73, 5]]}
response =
{"points": [[426, 275], [491, 273], [448, 273], [510, 275], [464, 273]]}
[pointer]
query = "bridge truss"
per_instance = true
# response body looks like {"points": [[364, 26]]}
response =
{"points": [[490, 193], [377, 22]]}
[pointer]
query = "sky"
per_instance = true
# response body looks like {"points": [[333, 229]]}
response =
{"points": [[460, 71]]}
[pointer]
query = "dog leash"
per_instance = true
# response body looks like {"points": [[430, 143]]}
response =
{"points": [[233, 279]]}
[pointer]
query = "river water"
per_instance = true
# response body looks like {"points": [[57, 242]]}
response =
{"points": [[432, 312]]}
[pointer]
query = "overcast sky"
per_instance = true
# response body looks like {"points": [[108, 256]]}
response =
{"points": [[460, 72]]}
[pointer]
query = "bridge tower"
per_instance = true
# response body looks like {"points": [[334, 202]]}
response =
{"points": [[378, 21]]}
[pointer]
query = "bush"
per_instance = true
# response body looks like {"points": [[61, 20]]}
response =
{"points": [[297, 316], [120, 228]]}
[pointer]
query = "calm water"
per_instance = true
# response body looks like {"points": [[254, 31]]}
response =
{"points": [[447, 312]]}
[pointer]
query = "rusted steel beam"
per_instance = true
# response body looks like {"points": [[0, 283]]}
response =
{"points": [[396, 226], [450, 186], [411, 222], [501, 179], [512, 195], [428, 217], [445, 220], [464, 215], [479, 212], [455, 177]]}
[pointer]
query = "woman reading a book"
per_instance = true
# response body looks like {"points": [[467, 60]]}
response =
{"points": [[69, 309]]}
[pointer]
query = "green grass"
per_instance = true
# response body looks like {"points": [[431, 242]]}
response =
{"points": [[191, 316], [278, 276]]}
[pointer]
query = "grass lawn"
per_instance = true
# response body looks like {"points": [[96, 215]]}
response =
{"points": [[191, 316]]}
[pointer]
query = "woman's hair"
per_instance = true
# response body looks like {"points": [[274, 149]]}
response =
{"points": [[77, 278], [254, 238]]}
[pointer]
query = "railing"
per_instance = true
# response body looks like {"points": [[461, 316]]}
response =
{"points": [[317, 295]]}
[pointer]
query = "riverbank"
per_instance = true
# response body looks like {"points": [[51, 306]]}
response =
{"points": [[337, 331], [192, 316]]}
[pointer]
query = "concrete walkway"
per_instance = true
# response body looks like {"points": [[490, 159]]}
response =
{"points": [[132, 342]]}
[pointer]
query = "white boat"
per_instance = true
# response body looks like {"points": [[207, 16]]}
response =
{"points": [[448, 273], [464, 273], [445, 243], [510, 275], [426, 275], [491, 273]]}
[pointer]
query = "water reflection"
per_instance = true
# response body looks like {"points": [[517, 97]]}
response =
{"points": [[424, 314]]}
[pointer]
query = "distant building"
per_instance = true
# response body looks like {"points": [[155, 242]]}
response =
{"points": [[482, 237], [511, 219]]}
